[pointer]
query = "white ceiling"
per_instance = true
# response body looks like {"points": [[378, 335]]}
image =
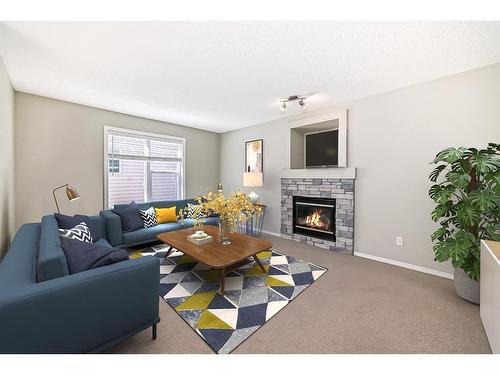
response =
{"points": [[222, 76]]}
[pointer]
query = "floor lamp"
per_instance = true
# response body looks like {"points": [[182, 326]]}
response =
{"points": [[71, 193]]}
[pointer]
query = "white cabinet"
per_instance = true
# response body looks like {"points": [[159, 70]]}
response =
{"points": [[490, 292]]}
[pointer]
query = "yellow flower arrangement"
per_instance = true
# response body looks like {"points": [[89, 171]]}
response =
{"points": [[233, 210], [198, 214]]}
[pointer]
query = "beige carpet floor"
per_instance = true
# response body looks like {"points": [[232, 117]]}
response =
{"points": [[358, 306]]}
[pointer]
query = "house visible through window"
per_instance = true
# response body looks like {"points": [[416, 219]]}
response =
{"points": [[114, 166], [143, 167]]}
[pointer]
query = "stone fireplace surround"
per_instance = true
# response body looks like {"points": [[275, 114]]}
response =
{"points": [[342, 189]]}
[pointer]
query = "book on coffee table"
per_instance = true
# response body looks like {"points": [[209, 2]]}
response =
{"points": [[199, 240]]}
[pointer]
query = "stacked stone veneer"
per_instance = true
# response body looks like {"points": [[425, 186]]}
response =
{"points": [[340, 189]]}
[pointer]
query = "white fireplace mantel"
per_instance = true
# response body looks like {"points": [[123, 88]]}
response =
{"points": [[348, 173]]}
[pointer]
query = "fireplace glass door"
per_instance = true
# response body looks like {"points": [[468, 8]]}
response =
{"points": [[314, 217]]}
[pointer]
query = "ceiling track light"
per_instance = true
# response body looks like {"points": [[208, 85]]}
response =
{"points": [[292, 98], [303, 103]]}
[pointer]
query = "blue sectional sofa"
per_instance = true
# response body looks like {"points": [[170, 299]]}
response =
{"points": [[43, 309], [116, 237]]}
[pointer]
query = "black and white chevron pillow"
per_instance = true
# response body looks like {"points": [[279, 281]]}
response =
{"points": [[149, 217], [192, 212], [80, 232]]}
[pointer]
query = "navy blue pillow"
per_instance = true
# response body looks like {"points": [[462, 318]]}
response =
{"points": [[82, 256], [68, 222], [131, 217]]}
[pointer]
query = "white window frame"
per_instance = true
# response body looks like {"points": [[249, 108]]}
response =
{"points": [[108, 129]]}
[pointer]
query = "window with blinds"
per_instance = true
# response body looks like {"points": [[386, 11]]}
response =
{"points": [[143, 167]]}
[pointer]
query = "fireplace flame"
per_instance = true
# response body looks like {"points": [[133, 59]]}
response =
{"points": [[314, 220]]}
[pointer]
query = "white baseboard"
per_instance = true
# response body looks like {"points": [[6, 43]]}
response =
{"points": [[413, 267], [409, 266], [271, 233]]}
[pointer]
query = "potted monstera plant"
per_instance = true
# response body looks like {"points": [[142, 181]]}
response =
{"points": [[466, 191]]}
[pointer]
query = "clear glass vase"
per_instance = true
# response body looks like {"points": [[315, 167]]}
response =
{"points": [[224, 232]]}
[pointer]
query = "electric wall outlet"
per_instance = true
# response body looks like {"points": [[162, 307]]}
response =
{"points": [[400, 241]]}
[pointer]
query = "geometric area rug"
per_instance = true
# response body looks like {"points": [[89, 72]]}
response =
{"points": [[251, 296]]}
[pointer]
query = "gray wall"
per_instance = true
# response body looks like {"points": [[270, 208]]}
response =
{"points": [[6, 159], [392, 137], [58, 142]]}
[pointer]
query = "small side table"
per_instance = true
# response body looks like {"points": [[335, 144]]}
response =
{"points": [[253, 226]]}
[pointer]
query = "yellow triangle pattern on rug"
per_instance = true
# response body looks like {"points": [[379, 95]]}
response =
{"points": [[209, 320], [264, 254], [272, 281], [198, 301], [212, 275], [256, 271], [185, 259], [135, 254]]}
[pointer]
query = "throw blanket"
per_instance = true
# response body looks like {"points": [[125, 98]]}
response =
{"points": [[82, 256]]}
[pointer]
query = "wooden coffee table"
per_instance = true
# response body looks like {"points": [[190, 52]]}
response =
{"points": [[242, 249]]}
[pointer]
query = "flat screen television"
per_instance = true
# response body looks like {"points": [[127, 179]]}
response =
{"points": [[322, 149]]}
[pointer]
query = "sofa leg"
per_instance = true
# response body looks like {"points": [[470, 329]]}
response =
{"points": [[154, 331]]}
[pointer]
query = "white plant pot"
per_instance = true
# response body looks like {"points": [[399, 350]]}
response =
{"points": [[466, 288]]}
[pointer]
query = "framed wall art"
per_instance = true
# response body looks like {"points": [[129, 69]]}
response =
{"points": [[254, 155]]}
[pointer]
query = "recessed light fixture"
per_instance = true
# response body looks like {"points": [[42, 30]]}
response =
{"points": [[292, 98]]}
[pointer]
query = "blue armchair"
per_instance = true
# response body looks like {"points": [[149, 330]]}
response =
{"points": [[43, 309]]}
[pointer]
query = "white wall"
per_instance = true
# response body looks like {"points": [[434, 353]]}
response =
{"points": [[57, 142], [6, 160], [392, 137]]}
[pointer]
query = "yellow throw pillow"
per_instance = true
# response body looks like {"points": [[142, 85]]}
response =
{"points": [[166, 215]]}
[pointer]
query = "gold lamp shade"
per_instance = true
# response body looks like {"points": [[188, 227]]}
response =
{"points": [[71, 193]]}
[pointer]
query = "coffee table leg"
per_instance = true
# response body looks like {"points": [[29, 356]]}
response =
{"points": [[222, 280], [169, 251], [259, 263]]}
